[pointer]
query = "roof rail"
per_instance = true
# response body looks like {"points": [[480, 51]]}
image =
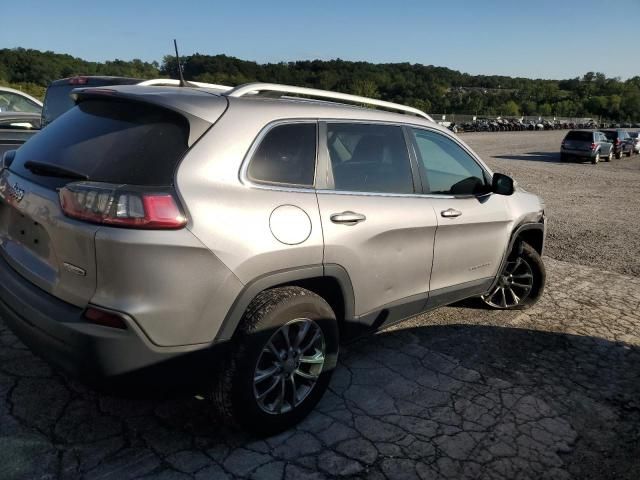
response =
{"points": [[250, 88], [172, 82]]}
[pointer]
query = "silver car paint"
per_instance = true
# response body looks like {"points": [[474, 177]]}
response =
{"points": [[37, 239], [178, 286]]}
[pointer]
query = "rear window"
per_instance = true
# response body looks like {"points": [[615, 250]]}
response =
{"points": [[580, 136], [110, 141]]}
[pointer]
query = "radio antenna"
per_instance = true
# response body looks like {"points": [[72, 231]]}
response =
{"points": [[182, 82]]}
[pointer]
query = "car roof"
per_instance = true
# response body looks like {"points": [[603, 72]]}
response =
{"points": [[198, 101], [114, 80]]}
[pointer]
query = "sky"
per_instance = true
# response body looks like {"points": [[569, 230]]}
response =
{"points": [[532, 38]]}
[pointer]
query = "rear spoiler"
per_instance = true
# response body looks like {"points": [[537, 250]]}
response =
{"points": [[200, 109]]}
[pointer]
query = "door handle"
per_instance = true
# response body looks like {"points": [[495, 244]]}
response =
{"points": [[347, 218], [450, 213]]}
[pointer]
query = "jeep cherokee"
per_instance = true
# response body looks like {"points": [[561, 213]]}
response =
{"points": [[152, 224]]}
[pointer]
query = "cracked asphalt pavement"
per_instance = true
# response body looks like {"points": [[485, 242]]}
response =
{"points": [[462, 392]]}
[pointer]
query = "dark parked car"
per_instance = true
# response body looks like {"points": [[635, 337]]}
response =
{"points": [[635, 141], [621, 142], [58, 100], [588, 144], [16, 128]]}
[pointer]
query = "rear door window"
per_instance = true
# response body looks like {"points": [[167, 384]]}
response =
{"points": [[110, 141], [369, 158]]}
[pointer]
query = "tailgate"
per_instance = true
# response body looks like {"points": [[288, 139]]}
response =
{"points": [[51, 250], [577, 145]]}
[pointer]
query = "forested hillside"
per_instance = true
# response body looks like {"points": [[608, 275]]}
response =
{"points": [[430, 88]]}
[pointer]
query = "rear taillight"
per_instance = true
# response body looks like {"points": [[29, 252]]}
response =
{"points": [[594, 146], [78, 80], [617, 141], [104, 318], [121, 205]]}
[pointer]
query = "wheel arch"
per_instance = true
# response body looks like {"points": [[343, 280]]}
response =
{"points": [[331, 282], [532, 236], [531, 233]]}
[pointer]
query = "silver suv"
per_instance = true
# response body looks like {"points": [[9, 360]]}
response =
{"points": [[244, 234]]}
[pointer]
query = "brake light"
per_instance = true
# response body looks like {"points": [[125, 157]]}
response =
{"points": [[594, 146], [121, 205], [78, 81], [617, 141], [104, 318]]}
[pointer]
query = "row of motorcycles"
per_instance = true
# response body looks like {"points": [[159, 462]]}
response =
{"points": [[510, 125]]}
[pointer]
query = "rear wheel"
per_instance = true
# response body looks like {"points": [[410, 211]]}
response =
{"points": [[564, 157], [619, 155], [628, 153], [281, 361], [521, 282]]}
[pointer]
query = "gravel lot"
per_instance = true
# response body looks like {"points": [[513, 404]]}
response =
{"points": [[593, 210], [462, 392]]}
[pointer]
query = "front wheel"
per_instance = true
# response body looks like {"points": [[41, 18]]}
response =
{"points": [[609, 157], [280, 363], [596, 159], [521, 282]]}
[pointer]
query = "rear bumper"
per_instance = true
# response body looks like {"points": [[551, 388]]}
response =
{"points": [[56, 331], [579, 153]]}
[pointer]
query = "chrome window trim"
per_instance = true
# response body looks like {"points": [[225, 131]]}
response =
{"points": [[279, 187], [381, 194]]}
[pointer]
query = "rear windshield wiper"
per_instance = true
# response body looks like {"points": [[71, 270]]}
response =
{"points": [[48, 170]]}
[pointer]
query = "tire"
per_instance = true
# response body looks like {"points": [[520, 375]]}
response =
{"points": [[619, 155], [595, 160], [609, 157], [269, 317], [629, 154], [564, 157], [528, 261]]}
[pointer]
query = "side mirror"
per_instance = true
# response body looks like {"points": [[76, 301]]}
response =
{"points": [[6, 159], [502, 184]]}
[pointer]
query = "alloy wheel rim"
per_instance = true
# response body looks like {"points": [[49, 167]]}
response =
{"points": [[513, 287], [289, 366]]}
